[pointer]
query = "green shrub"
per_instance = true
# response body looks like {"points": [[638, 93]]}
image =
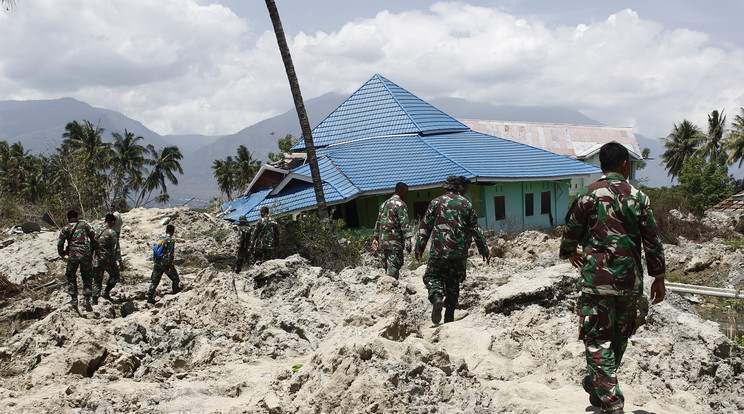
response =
{"points": [[320, 243]]}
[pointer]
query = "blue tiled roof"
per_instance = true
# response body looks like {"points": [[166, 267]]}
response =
{"points": [[331, 174], [244, 205], [380, 108], [487, 156], [380, 163]]}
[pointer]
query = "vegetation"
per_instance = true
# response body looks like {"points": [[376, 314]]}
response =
{"points": [[234, 174], [85, 173], [285, 146], [319, 241], [700, 162]]}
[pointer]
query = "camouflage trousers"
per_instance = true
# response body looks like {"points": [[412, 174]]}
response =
{"points": [[443, 276], [86, 270], [606, 323], [392, 261], [157, 274], [113, 278], [242, 256], [262, 255]]}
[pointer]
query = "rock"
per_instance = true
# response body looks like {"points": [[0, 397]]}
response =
{"points": [[30, 227]]}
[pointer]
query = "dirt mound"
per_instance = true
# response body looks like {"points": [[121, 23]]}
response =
{"points": [[287, 337]]}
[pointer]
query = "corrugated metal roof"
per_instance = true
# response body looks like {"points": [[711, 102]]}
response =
{"points": [[487, 156], [331, 174], [577, 141], [380, 108], [733, 205], [245, 205]]}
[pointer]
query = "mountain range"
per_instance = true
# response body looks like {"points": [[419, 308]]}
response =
{"points": [[39, 125]]}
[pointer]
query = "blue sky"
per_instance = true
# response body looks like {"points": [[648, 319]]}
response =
{"points": [[212, 67]]}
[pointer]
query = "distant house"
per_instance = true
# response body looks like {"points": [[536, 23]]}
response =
{"points": [[732, 206], [581, 142], [383, 134]]}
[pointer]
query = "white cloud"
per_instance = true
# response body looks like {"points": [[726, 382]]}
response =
{"points": [[183, 67]]}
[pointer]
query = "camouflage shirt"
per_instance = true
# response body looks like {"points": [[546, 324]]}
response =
{"points": [[452, 223], [392, 227], [108, 247], [170, 252], [266, 234], [80, 241], [244, 237], [611, 219]]}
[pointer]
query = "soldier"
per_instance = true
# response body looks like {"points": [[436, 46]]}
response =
{"points": [[80, 245], [265, 238], [243, 250], [611, 220], [165, 265], [109, 254], [119, 221], [454, 224], [393, 230]]}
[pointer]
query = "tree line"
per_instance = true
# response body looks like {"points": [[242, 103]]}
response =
{"points": [[234, 174], [86, 173], [699, 160]]}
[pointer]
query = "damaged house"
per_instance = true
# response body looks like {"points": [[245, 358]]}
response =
{"points": [[383, 134]]}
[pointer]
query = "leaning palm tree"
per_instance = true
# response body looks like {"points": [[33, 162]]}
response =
{"points": [[712, 146], [735, 140], [680, 145], [164, 164], [294, 86]]}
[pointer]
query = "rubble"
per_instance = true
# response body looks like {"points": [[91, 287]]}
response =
{"points": [[287, 337]]}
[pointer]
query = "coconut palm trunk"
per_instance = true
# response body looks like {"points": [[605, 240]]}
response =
{"points": [[294, 86]]}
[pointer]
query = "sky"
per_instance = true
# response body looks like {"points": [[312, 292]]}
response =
{"points": [[213, 67]]}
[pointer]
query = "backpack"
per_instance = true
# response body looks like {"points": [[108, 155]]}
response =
{"points": [[158, 250]]}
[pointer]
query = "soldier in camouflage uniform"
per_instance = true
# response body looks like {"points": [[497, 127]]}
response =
{"points": [[109, 254], [165, 265], [243, 251], [265, 238], [611, 220], [80, 245], [453, 224], [393, 231]]}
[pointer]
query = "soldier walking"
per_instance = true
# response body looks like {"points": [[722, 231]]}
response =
{"points": [[452, 223], [393, 231], [611, 220], [243, 250], [265, 238], [80, 245], [109, 254], [165, 265]]}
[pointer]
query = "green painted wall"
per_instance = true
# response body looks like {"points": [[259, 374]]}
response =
{"points": [[482, 197]]}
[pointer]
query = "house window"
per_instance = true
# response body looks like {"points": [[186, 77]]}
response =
{"points": [[545, 202], [499, 204], [529, 204]]}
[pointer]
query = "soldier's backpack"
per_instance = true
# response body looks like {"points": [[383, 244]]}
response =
{"points": [[158, 250]]}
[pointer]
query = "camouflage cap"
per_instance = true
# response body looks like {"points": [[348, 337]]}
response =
{"points": [[242, 219], [454, 183]]}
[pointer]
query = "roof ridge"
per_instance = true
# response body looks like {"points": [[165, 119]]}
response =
{"points": [[446, 157], [395, 98], [342, 173]]}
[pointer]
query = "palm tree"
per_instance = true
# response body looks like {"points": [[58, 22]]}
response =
{"points": [[294, 87], [128, 165], [247, 166], [735, 140], [164, 164], [87, 141], [225, 173], [680, 145], [713, 143]]}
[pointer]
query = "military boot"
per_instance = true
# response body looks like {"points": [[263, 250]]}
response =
{"points": [[593, 397], [150, 299], [73, 302], [86, 303], [436, 310], [449, 315], [176, 289], [107, 294]]}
